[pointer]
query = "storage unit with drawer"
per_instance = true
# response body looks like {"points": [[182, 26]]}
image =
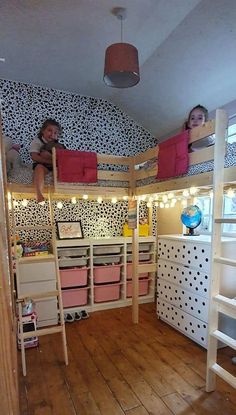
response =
{"points": [[38, 275], [183, 283], [74, 273], [97, 273]]}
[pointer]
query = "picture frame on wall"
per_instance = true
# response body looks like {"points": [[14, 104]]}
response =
{"points": [[69, 229]]}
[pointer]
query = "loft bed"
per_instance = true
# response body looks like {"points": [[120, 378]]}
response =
{"points": [[136, 175], [127, 181]]}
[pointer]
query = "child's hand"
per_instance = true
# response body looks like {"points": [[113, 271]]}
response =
{"points": [[46, 155]]}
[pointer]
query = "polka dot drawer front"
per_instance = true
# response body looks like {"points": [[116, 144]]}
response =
{"points": [[184, 322], [186, 253], [193, 304], [190, 278]]}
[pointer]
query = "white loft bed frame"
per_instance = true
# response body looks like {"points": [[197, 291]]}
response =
{"points": [[131, 176]]}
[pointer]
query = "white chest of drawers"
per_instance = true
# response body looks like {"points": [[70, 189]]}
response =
{"points": [[183, 283], [38, 275]]}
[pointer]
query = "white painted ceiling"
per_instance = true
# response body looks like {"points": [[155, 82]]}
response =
{"points": [[187, 52]]}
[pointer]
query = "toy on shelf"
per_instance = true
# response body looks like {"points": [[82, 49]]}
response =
{"points": [[29, 321], [36, 248]]}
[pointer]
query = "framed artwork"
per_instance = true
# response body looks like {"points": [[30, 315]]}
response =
{"points": [[69, 230]]}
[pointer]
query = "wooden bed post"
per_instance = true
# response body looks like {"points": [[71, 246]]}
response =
{"points": [[9, 394], [135, 235], [135, 260]]}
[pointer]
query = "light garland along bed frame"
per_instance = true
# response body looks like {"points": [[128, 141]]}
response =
{"points": [[132, 190]]}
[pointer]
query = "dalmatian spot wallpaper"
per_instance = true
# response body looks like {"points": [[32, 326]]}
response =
{"points": [[98, 219], [89, 124]]}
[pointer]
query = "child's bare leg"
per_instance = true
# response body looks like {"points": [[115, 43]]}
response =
{"points": [[39, 175]]}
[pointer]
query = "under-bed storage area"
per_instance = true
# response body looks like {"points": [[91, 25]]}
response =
{"points": [[96, 273]]}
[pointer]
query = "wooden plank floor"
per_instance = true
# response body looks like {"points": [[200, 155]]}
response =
{"points": [[117, 368]]}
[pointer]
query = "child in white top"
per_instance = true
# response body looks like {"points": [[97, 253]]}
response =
{"points": [[198, 116], [42, 161]]}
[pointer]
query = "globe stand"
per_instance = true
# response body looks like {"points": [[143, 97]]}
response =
{"points": [[191, 232]]}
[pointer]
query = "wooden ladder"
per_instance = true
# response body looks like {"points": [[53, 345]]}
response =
{"points": [[219, 303], [58, 328]]}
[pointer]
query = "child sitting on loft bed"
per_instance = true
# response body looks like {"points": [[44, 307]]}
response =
{"points": [[41, 153], [198, 116]]}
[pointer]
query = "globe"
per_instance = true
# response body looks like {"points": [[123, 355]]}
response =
{"points": [[191, 217]]}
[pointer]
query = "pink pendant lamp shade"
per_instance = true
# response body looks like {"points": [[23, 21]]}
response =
{"points": [[121, 69], [121, 66]]}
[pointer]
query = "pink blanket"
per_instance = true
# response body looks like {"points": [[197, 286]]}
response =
{"points": [[173, 156], [75, 166]]}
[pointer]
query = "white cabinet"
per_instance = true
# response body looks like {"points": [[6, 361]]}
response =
{"points": [[97, 273], [183, 283], [38, 275]]}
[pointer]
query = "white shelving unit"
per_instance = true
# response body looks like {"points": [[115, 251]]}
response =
{"points": [[104, 264], [183, 284]]}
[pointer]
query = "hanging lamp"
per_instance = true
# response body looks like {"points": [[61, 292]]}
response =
{"points": [[121, 68]]}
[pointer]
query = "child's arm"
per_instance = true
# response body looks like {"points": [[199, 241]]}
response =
{"points": [[44, 158]]}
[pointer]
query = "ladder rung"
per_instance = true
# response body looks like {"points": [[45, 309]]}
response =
{"points": [[226, 376], [42, 332], [225, 261], [38, 296], [229, 341], [225, 220], [226, 305]]}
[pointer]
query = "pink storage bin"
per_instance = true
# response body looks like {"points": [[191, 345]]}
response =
{"points": [[109, 292], [129, 272], [75, 297], [143, 288], [74, 277], [106, 273]]}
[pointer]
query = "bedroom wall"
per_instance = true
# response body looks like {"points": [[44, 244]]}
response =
{"points": [[89, 124]]}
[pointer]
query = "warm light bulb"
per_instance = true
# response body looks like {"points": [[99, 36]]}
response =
{"points": [[195, 200], [162, 205], [167, 205], [150, 199], [59, 205], [211, 194], [156, 204], [15, 203], [164, 198], [24, 202], [184, 203], [186, 193], [170, 195], [174, 200], [230, 193], [85, 197], [99, 199], [143, 197], [149, 204], [73, 200], [125, 197], [114, 200], [193, 190]]}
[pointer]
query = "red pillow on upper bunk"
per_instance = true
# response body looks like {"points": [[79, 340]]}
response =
{"points": [[75, 166], [173, 156]]}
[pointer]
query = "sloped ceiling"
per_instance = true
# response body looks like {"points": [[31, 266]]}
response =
{"points": [[187, 52]]}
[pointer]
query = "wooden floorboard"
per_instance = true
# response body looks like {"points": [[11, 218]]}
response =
{"points": [[120, 368]]}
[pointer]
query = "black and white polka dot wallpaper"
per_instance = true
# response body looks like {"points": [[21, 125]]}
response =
{"points": [[98, 219], [89, 124]]}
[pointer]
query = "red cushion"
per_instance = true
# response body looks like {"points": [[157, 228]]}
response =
{"points": [[76, 166], [173, 156]]}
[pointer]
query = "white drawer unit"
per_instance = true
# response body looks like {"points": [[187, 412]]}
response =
{"points": [[38, 275], [183, 283]]}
